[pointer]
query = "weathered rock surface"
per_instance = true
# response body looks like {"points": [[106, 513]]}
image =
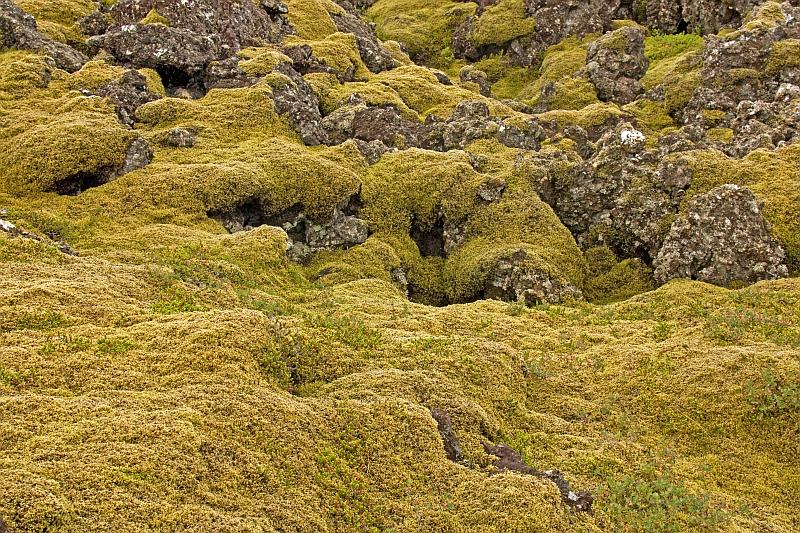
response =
{"points": [[198, 33], [127, 94], [616, 64], [371, 51], [305, 236], [18, 30], [513, 279], [296, 99], [723, 238]]}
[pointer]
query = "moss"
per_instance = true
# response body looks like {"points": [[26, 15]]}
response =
{"points": [[680, 76], [71, 136], [724, 135], [196, 379], [783, 55], [610, 280], [651, 116], [502, 22], [657, 48], [425, 28], [20, 73], [310, 17], [498, 231], [58, 18], [261, 61], [561, 72], [588, 117], [338, 51], [154, 17]]}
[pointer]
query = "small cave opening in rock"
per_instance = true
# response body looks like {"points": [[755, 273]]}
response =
{"points": [[291, 220], [354, 205], [249, 214], [178, 82], [683, 27], [429, 239], [79, 183]]}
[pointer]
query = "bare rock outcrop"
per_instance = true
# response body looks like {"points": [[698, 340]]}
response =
{"points": [[723, 238], [616, 64]]}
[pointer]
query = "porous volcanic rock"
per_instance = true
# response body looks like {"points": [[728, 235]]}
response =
{"points": [[723, 238]]}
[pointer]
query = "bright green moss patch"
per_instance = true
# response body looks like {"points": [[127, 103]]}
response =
{"points": [[310, 17], [502, 22]]}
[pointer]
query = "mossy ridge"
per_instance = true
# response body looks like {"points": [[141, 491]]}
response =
{"points": [[358, 392]]}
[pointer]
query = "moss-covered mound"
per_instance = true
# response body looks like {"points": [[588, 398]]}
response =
{"points": [[244, 332]]}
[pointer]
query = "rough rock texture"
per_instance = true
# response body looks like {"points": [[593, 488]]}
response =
{"points": [[469, 121], [513, 280], [707, 16], [179, 138], [18, 30], [616, 63], [510, 460], [619, 197], [199, 32], [451, 445], [558, 19], [138, 156], [722, 238], [127, 94], [371, 51], [295, 99], [305, 236]]}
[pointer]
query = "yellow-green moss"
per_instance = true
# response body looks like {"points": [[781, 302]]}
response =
{"points": [[424, 27], [502, 22], [154, 17], [660, 47], [310, 17], [680, 76], [724, 135], [651, 116], [69, 137], [610, 280], [783, 55], [58, 18], [773, 177]]}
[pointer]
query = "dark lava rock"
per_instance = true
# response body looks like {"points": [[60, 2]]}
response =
{"points": [[616, 63], [296, 100], [514, 279], [369, 48], [180, 138], [199, 32], [509, 460], [451, 445], [723, 238], [127, 94]]}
